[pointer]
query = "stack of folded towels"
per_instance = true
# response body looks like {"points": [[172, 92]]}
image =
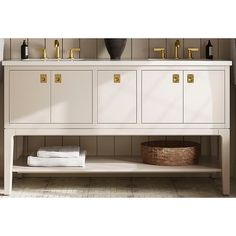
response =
{"points": [[58, 156]]}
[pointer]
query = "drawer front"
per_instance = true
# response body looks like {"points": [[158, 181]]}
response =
{"points": [[162, 97], [29, 97], [117, 97]]}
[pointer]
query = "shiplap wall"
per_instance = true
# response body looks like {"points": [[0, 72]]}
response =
{"points": [[135, 49]]}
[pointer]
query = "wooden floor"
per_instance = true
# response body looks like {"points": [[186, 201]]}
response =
{"points": [[117, 187]]}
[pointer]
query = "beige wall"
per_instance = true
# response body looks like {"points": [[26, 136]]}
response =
{"points": [[95, 49]]}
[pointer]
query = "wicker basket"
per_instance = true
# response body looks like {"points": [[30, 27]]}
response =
{"points": [[170, 153]]}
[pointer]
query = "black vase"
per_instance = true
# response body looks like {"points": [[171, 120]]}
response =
{"points": [[115, 47]]}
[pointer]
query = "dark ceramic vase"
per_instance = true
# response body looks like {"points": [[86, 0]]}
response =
{"points": [[115, 47]]}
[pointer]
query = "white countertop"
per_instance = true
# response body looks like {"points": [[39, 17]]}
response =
{"points": [[85, 62]]}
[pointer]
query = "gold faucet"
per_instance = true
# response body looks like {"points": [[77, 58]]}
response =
{"points": [[161, 50], [177, 45], [56, 45], [72, 50], [190, 52]]}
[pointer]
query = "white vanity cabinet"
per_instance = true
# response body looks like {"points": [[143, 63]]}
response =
{"points": [[117, 97], [134, 98], [162, 96], [187, 97], [204, 97], [56, 97], [71, 97], [29, 100]]}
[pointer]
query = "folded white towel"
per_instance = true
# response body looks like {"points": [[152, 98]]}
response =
{"points": [[57, 161], [59, 151]]}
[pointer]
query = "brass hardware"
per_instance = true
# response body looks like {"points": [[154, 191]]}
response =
{"points": [[57, 46], [161, 50], [190, 52], [177, 45], [43, 78], [58, 78], [116, 78], [44, 53], [175, 78], [190, 78], [72, 50]]}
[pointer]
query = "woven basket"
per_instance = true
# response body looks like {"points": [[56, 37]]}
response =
{"points": [[170, 153]]}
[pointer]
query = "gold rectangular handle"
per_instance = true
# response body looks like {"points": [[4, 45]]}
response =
{"points": [[190, 78], [58, 78], [43, 78], [175, 78], [116, 78]]}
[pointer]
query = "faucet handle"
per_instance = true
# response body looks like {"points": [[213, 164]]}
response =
{"points": [[72, 50], [44, 50], [190, 52], [161, 50]]}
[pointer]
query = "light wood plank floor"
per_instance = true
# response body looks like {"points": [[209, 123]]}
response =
{"points": [[117, 187]]}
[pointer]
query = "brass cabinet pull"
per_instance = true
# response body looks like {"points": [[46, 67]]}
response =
{"points": [[58, 78], [116, 78], [190, 78], [43, 78], [175, 78]]}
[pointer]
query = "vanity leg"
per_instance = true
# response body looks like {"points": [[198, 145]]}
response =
{"points": [[8, 160], [225, 160]]}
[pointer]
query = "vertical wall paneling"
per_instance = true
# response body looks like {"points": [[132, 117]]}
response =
{"points": [[140, 48], [101, 50], [123, 146], [53, 140], [51, 50], [174, 138], [105, 146], [67, 45], [89, 143], [88, 48], [34, 143], [156, 43], [136, 144], [7, 49], [70, 140], [16, 48], [127, 53], [224, 49], [192, 43], [156, 138], [171, 48], [36, 47]]}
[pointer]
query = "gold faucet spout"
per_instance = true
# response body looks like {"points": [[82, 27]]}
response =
{"points": [[57, 46], [177, 45]]}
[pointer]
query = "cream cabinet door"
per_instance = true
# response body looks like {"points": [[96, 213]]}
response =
{"points": [[162, 97], [204, 96], [71, 97], [29, 97], [117, 96]]}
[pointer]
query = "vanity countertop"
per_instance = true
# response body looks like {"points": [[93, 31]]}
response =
{"points": [[85, 62]]}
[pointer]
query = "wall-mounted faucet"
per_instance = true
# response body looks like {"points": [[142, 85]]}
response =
{"points": [[177, 45], [57, 46]]}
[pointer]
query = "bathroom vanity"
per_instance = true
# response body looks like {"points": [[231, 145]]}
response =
{"points": [[149, 97]]}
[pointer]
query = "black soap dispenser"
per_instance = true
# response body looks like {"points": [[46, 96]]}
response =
{"points": [[24, 50], [209, 50]]}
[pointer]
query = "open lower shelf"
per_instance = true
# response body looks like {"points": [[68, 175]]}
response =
{"points": [[112, 165]]}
